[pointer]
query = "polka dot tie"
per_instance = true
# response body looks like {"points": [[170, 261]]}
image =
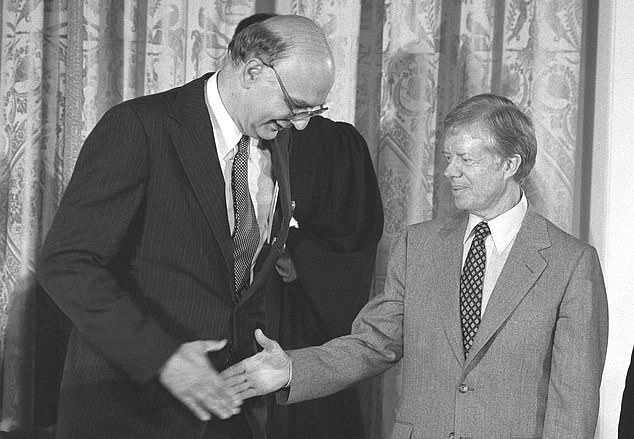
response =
{"points": [[246, 234], [471, 283]]}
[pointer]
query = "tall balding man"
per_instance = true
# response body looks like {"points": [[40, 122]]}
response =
{"points": [[177, 210]]}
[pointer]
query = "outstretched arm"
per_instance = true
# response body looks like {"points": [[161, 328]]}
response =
{"points": [[264, 372], [376, 344]]}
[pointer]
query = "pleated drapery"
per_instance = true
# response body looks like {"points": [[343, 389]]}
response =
{"points": [[401, 66]]}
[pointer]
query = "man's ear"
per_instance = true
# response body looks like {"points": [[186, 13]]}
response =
{"points": [[512, 165], [251, 71]]}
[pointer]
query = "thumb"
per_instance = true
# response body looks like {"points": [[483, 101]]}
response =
{"points": [[213, 345], [264, 341]]}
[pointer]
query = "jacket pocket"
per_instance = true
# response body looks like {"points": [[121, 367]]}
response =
{"points": [[401, 430]]}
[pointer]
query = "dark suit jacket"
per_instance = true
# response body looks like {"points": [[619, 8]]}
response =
{"points": [[140, 258], [535, 367]]}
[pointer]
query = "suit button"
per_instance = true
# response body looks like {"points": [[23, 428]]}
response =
{"points": [[463, 388]]}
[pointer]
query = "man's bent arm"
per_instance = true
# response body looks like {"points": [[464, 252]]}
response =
{"points": [[579, 348]]}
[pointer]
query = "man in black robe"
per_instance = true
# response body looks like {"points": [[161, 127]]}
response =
{"points": [[325, 275]]}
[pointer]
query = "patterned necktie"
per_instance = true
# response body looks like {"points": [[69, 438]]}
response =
{"points": [[246, 234], [471, 283]]}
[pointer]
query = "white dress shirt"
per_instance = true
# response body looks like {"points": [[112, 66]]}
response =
{"points": [[498, 244], [227, 136]]}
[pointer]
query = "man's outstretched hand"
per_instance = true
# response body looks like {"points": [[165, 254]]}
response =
{"points": [[264, 372], [189, 376]]}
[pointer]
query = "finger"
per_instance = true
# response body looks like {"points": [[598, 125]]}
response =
{"points": [[248, 393], [238, 401], [219, 408], [220, 393], [233, 371], [213, 345], [264, 341], [240, 387], [221, 413], [233, 395], [235, 380], [232, 398], [195, 408], [226, 406]]}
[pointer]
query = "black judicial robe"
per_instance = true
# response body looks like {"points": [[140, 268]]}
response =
{"points": [[340, 215]]}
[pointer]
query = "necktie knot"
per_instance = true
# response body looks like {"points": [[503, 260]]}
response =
{"points": [[243, 145], [481, 231]]}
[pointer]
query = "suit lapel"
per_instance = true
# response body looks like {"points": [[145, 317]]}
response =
{"points": [[280, 148], [447, 265], [192, 136], [523, 267], [280, 151]]}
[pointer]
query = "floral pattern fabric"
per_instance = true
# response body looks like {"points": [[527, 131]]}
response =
{"points": [[401, 65]]}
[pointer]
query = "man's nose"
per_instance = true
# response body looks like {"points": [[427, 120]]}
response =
{"points": [[452, 170], [300, 124], [284, 123]]}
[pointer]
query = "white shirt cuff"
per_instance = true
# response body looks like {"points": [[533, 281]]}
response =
{"points": [[290, 373]]}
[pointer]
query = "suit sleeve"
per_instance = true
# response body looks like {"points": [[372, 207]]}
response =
{"points": [[376, 342], [578, 355], [85, 257], [340, 215]]}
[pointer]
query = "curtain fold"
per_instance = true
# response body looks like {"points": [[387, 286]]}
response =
{"points": [[401, 66], [341, 24], [20, 202]]}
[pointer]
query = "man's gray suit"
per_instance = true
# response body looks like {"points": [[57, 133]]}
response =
{"points": [[535, 367]]}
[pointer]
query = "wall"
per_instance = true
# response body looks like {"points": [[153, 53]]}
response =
{"points": [[612, 201]]}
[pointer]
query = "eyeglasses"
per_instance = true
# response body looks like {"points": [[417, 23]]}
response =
{"points": [[298, 113]]}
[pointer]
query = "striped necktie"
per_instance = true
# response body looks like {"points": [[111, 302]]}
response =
{"points": [[246, 233]]}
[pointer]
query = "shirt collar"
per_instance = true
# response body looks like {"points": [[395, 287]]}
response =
{"points": [[503, 227], [224, 127]]}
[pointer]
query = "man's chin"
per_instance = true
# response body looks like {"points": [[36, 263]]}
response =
{"points": [[460, 204], [270, 130], [268, 135]]}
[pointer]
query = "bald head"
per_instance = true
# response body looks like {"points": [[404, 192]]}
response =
{"points": [[282, 37], [302, 35], [278, 67]]}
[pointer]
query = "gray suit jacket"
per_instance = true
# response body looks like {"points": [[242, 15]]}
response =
{"points": [[535, 367]]}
